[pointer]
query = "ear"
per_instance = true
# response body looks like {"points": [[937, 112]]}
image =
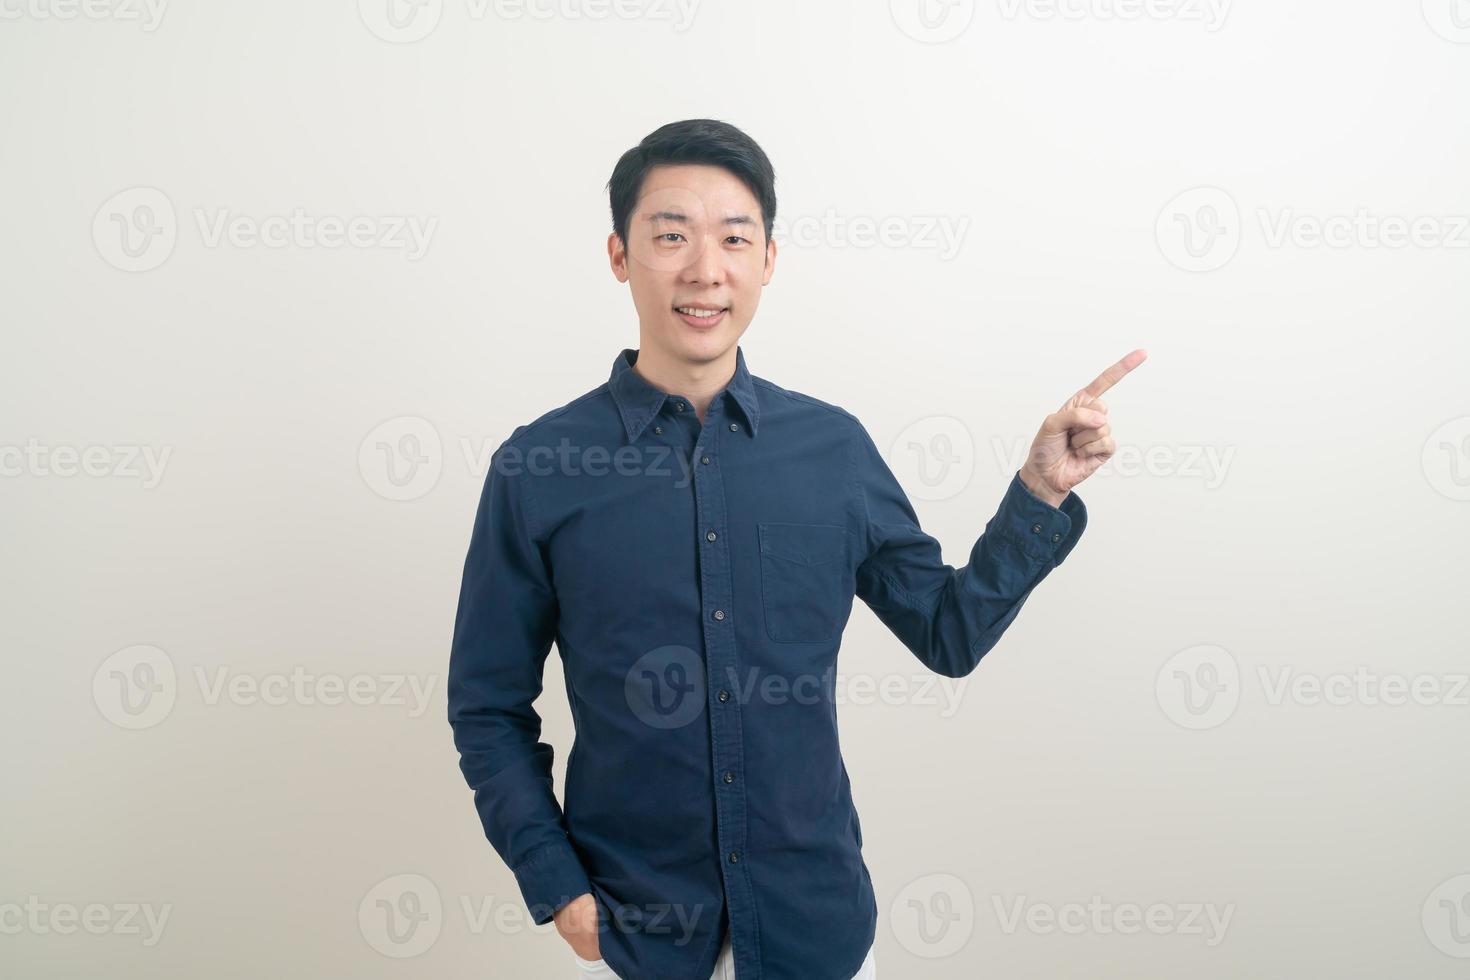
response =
{"points": [[617, 256], [770, 262]]}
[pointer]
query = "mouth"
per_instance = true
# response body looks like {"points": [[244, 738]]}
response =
{"points": [[702, 317]]}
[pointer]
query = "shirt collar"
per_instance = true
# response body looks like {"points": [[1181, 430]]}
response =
{"points": [[638, 401]]}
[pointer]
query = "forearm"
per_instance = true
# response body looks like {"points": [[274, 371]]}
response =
{"points": [[950, 618], [509, 770]]}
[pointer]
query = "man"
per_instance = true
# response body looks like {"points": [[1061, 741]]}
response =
{"points": [[692, 537]]}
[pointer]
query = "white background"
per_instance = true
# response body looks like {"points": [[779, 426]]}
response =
{"points": [[1125, 176]]}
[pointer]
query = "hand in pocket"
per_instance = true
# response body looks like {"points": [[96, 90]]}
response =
{"points": [[577, 923]]}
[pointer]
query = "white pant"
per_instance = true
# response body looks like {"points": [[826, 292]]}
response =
{"points": [[724, 966]]}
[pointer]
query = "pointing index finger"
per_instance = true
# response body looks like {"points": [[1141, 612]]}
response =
{"points": [[1116, 373]]}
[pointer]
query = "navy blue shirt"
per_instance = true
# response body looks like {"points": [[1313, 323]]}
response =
{"points": [[696, 579]]}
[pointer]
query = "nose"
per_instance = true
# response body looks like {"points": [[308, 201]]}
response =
{"points": [[706, 265]]}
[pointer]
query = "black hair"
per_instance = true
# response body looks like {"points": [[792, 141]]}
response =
{"points": [[698, 141]]}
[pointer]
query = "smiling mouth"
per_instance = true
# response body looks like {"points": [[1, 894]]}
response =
{"points": [[701, 312]]}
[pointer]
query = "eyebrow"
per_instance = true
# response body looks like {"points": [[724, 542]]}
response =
{"points": [[677, 216]]}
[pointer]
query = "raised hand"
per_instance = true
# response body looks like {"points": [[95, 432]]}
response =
{"points": [[1076, 439]]}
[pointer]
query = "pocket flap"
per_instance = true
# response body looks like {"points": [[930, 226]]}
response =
{"points": [[809, 544]]}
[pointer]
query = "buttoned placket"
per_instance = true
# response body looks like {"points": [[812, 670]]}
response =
{"points": [[722, 672]]}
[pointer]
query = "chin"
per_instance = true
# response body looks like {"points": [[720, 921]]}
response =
{"points": [[700, 345]]}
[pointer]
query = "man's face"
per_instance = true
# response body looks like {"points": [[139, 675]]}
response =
{"points": [[696, 243]]}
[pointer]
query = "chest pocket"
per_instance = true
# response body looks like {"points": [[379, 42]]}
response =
{"points": [[804, 580]]}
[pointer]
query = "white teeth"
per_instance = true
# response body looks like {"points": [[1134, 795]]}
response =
{"points": [[691, 311]]}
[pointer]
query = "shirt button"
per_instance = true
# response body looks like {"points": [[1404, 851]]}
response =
{"points": [[734, 858], [1035, 528], [1055, 538], [710, 535], [658, 430], [729, 777], [679, 406], [734, 427], [724, 695], [704, 459], [719, 614]]}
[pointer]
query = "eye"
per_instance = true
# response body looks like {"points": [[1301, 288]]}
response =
{"points": [[736, 238], [669, 235]]}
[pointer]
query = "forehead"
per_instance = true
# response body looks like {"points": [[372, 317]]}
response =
{"points": [[704, 188]]}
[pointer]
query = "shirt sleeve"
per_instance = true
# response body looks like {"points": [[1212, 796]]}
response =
{"points": [[503, 630], [951, 617]]}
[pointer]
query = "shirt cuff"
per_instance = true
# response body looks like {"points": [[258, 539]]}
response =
{"points": [[1043, 532], [549, 879]]}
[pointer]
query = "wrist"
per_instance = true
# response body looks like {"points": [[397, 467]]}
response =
{"points": [[1039, 489]]}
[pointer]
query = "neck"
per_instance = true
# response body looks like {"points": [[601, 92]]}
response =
{"points": [[697, 381]]}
